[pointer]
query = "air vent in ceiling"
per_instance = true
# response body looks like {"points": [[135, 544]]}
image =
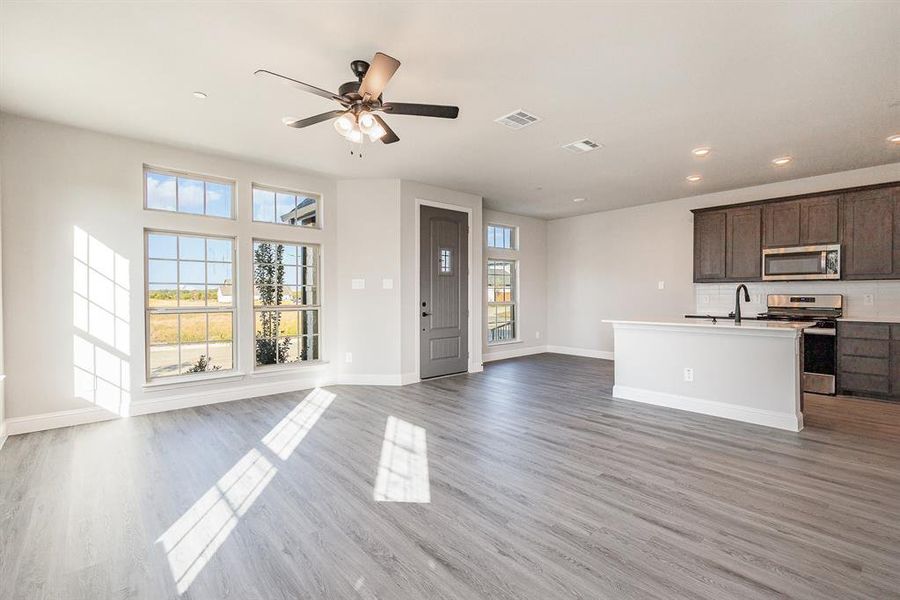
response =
{"points": [[518, 119], [582, 146]]}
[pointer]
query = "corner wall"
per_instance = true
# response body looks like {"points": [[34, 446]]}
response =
{"points": [[608, 265]]}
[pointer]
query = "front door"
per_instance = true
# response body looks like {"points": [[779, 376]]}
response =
{"points": [[444, 282]]}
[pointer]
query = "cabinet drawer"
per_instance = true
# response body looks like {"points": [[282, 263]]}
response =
{"points": [[895, 332], [871, 331], [858, 382], [865, 365], [857, 347]]}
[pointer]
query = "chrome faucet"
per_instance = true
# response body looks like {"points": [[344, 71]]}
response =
{"points": [[737, 302]]}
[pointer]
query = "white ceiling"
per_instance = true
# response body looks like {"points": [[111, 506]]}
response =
{"points": [[819, 81]]}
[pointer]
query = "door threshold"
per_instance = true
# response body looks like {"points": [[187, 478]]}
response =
{"points": [[423, 379]]}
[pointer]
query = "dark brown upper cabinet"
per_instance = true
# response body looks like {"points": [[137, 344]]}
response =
{"points": [[806, 222], [709, 245], [871, 234], [728, 245], [743, 249]]}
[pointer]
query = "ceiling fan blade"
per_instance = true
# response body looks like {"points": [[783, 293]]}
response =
{"points": [[380, 72], [389, 137], [300, 123], [421, 110], [298, 84]]}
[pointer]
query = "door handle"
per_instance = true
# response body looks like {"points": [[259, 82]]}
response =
{"points": [[426, 314]]}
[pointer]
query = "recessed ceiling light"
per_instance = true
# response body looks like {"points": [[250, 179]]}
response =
{"points": [[701, 151], [693, 178], [577, 199], [781, 161], [200, 95], [894, 139]]}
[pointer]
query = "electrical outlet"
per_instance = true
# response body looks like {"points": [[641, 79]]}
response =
{"points": [[688, 374], [704, 299], [537, 335], [757, 298], [661, 285], [869, 299], [348, 357]]}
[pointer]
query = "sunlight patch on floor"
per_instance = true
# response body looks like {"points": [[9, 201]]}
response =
{"points": [[194, 538], [403, 467], [290, 431]]}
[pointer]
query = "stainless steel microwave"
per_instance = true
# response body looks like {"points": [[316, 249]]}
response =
{"points": [[802, 262]]}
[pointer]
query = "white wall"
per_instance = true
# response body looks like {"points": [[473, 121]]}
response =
{"points": [[608, 265], [411, 195], [369, 250], [531, 258], [56, 178], [2, 372]]}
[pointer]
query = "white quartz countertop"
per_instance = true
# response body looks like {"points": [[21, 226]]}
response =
{"points": [[871, 319], [791, 328]]}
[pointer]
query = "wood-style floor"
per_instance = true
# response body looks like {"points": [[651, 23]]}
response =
{"points": [[541, 487]]}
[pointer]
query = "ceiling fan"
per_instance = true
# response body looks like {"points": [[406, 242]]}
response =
{"points": [[361, 102]]}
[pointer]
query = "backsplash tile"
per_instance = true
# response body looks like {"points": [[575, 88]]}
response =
{"points": [[718, 299]]}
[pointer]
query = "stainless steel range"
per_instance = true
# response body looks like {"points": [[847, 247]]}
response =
{"points": [[819, 339]]}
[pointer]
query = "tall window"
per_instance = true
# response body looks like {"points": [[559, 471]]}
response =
{"points": [[174, 191], [286, 302], [272, 205], [501, 236], [190, 308], [501, 301]]}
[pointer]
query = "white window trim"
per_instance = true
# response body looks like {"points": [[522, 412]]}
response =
{"points": [[183, 378], [515, 241], [197, 176], [320, 201], [276, 368], [515, 303]]}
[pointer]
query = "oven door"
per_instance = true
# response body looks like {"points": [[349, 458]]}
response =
{"points": [[819, 360], [802, 262]]}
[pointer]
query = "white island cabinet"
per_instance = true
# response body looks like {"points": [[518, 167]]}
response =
{"points": [[749, 372]]}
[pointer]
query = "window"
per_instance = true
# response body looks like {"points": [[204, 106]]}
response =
{"points": [[501, 301], [185, 193], [446, 261], [286, 302], [272, 205], [190, 307], [501, 236]]}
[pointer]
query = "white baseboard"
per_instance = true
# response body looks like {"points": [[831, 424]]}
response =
{"points": [[586, 352], [62, 418], [366, 379], [3, 434], [502, 353], [408, 378], [713, 408]]}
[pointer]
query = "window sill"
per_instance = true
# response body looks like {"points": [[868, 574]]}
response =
{"points": [[275, 370], [506, 343], [192, 380]]}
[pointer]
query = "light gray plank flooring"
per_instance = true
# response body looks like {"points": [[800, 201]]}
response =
{"points": [[541, 487]]}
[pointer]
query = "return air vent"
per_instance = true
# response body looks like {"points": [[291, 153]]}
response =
{"points": [[582, 146], [518, 119]]}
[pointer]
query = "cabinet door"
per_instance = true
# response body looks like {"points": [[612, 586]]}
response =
{"points": [[744, 248], [819, 220], [782, 224], [709, 246], [895, 369], [869, 234]]}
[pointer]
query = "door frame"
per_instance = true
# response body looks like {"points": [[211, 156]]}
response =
{"points": [[470, 365]]}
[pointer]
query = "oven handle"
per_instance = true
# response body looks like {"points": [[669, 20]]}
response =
{"points": [[819, 331]]}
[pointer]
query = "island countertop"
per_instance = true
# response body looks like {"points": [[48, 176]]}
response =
{"points": [[786, 328]]}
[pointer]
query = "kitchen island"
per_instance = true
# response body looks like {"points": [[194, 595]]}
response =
{"points": [[748, 372]]}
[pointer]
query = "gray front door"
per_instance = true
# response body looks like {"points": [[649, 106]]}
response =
{"points": [[443, 307]]}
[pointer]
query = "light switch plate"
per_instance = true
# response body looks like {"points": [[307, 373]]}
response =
{"points": [[688, 374], [358, 284], [348, 357], [869, 299], [387, 284], [661, 285]]}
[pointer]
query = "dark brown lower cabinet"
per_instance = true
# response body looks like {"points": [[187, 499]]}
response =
{"points": [[869, 359]]}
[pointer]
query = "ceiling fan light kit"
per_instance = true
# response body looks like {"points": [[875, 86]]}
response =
{"points": [[361, 100]]}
